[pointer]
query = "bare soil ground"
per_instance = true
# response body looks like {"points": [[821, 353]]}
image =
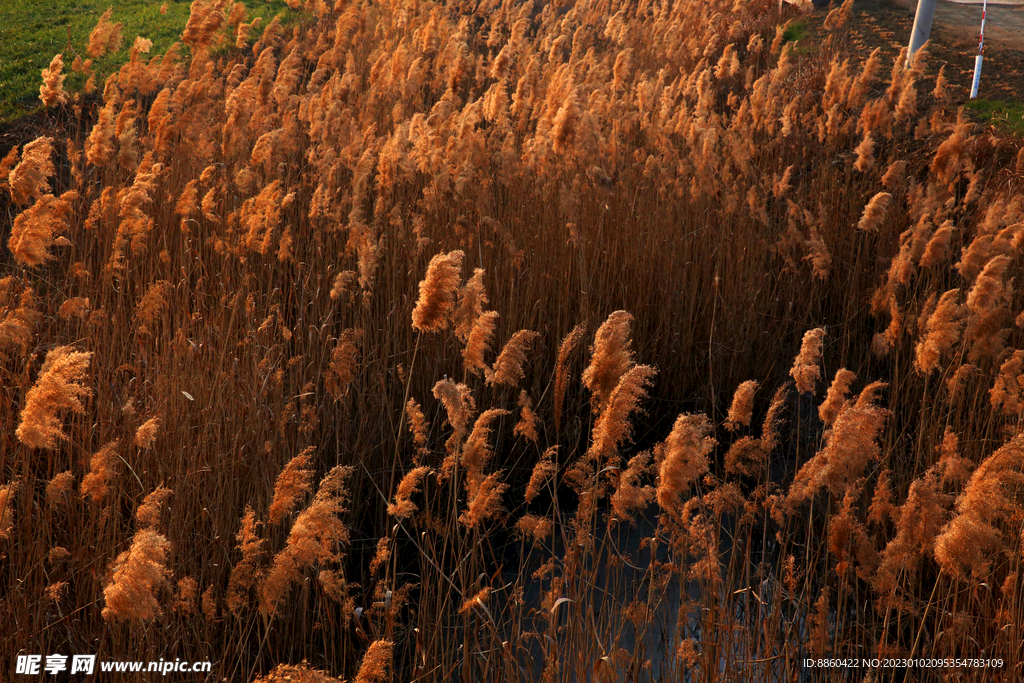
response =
{"points": [[887, 24]]}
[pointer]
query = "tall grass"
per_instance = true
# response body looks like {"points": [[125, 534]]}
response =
{"points": [[257, 409]]}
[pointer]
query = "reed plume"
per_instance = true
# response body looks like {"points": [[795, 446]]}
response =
{"points": [[7, 164], [106, 36], [954, 468], [874, 212], [417, 425], [96, 482], [58, 389], [300, 673], [527, 425], [52, 91], [205, 19], [1009, 385], [534, 527], [59, 488], [99, 146], [942, 331], [483, 492], [881, 508], [920, 518], [315, 538], [685, 458], [850, 444], [243, 575], [403, 507], [150, 511], [833, 403], [344, 363], [613, 424], [542, 472], [989, 284], [437, 292], [969, 541], [805, 371], [137, 575], [742, 406], [35, 230], [508, 367], [848, 540], [186, 598], [7, 508], [611, 357], [478, 342], [472, 299], [480, 599], [18, 315], [152, 304], [30, 179], [894, 174], [865, 154], [629, 495], [145, 435], [376, 662], [459, 405], [294, 482], [565, 349], [75, 307], [938, 246]]}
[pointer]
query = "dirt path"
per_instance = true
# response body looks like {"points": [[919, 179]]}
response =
{"points": [[1004, 23], [887, 24]]}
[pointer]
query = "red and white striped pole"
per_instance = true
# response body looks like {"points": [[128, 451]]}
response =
{"points": [[981, 49]]}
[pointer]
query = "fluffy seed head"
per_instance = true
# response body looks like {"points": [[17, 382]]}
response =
{"points": [[437, 292], [58, 390], [805, 369]]}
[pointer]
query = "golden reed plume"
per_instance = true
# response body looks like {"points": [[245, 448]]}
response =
{"points": [[59, 389], [437, 293]]}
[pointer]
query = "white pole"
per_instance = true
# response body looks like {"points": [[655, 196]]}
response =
{"points": [[922, 27], [977, 77], [981, 49]]}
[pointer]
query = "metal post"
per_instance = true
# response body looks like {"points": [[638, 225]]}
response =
{"points": [[981, 50], [922, 27]]}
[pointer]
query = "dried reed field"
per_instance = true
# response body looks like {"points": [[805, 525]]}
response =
{"points": [[481, 340]]}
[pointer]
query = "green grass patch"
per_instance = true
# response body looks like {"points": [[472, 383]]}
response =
{"points": [[1006, 116], [33, 31], [795, 31], [798, 32]]}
